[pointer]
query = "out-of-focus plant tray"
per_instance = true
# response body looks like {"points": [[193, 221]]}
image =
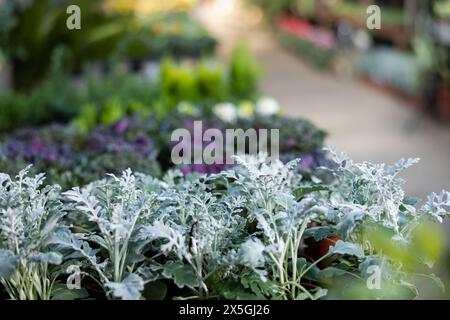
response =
{"points": [[440, 30], [317, 45], [398, 34], [413, 100]]}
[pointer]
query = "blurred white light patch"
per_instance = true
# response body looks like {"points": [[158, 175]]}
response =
{"points": [[224, 7]]}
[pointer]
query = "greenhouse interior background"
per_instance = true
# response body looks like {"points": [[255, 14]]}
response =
{"points": [[379, 94]]}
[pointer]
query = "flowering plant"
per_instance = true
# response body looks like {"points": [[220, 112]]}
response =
{"points": [[69, 159]]}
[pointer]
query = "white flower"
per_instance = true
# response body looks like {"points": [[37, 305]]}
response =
{"points": [[226, 111], [267, 106]]}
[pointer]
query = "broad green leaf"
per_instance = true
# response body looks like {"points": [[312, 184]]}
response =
{"points": [[312, 273], [61, 292], [331, 272], [181, 274], [156, 290], [318, 233]]}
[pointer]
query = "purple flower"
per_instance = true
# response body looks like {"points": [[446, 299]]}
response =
{"points": [[216, 168], [290, 143], [308, 162], [200, 168], [189, 124], [186, 170], [122, 126]]}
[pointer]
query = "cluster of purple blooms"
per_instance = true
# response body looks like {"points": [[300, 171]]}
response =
{"points": [[61, 145], [134, 142], [121, 138], [40, 145], [305, 136]]}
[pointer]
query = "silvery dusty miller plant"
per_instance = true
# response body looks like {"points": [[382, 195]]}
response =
{"points": [[119, 208], [281, 221], [29, 216], [198, 232], [366, 193], [366, 204], [238, 233], [273, 250]]}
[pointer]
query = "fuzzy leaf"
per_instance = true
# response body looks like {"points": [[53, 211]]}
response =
{"points": [[48, 257], [348, 223], [348, 248], [318, 233], [181, 274], [129, 289], [8, 264]]}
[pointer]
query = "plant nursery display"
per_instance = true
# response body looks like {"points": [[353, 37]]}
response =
{"points": [[72, 157], [240, 233], [103, 34], [392, 58], [104, 99], [136, 164]]}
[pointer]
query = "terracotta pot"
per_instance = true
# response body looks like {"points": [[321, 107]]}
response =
{"points": [[443, 101]]}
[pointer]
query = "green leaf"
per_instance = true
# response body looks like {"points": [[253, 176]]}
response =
{"points": [[301, 192], [312, 273], [331, 272], [348, 248], [347, 224], [302, 296], [320, 293], [239, 294], [409, 286], [181, 274], [61, 292], [156, 290], [437, 281], [411, 201], [328, 275], [318, 233]]}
